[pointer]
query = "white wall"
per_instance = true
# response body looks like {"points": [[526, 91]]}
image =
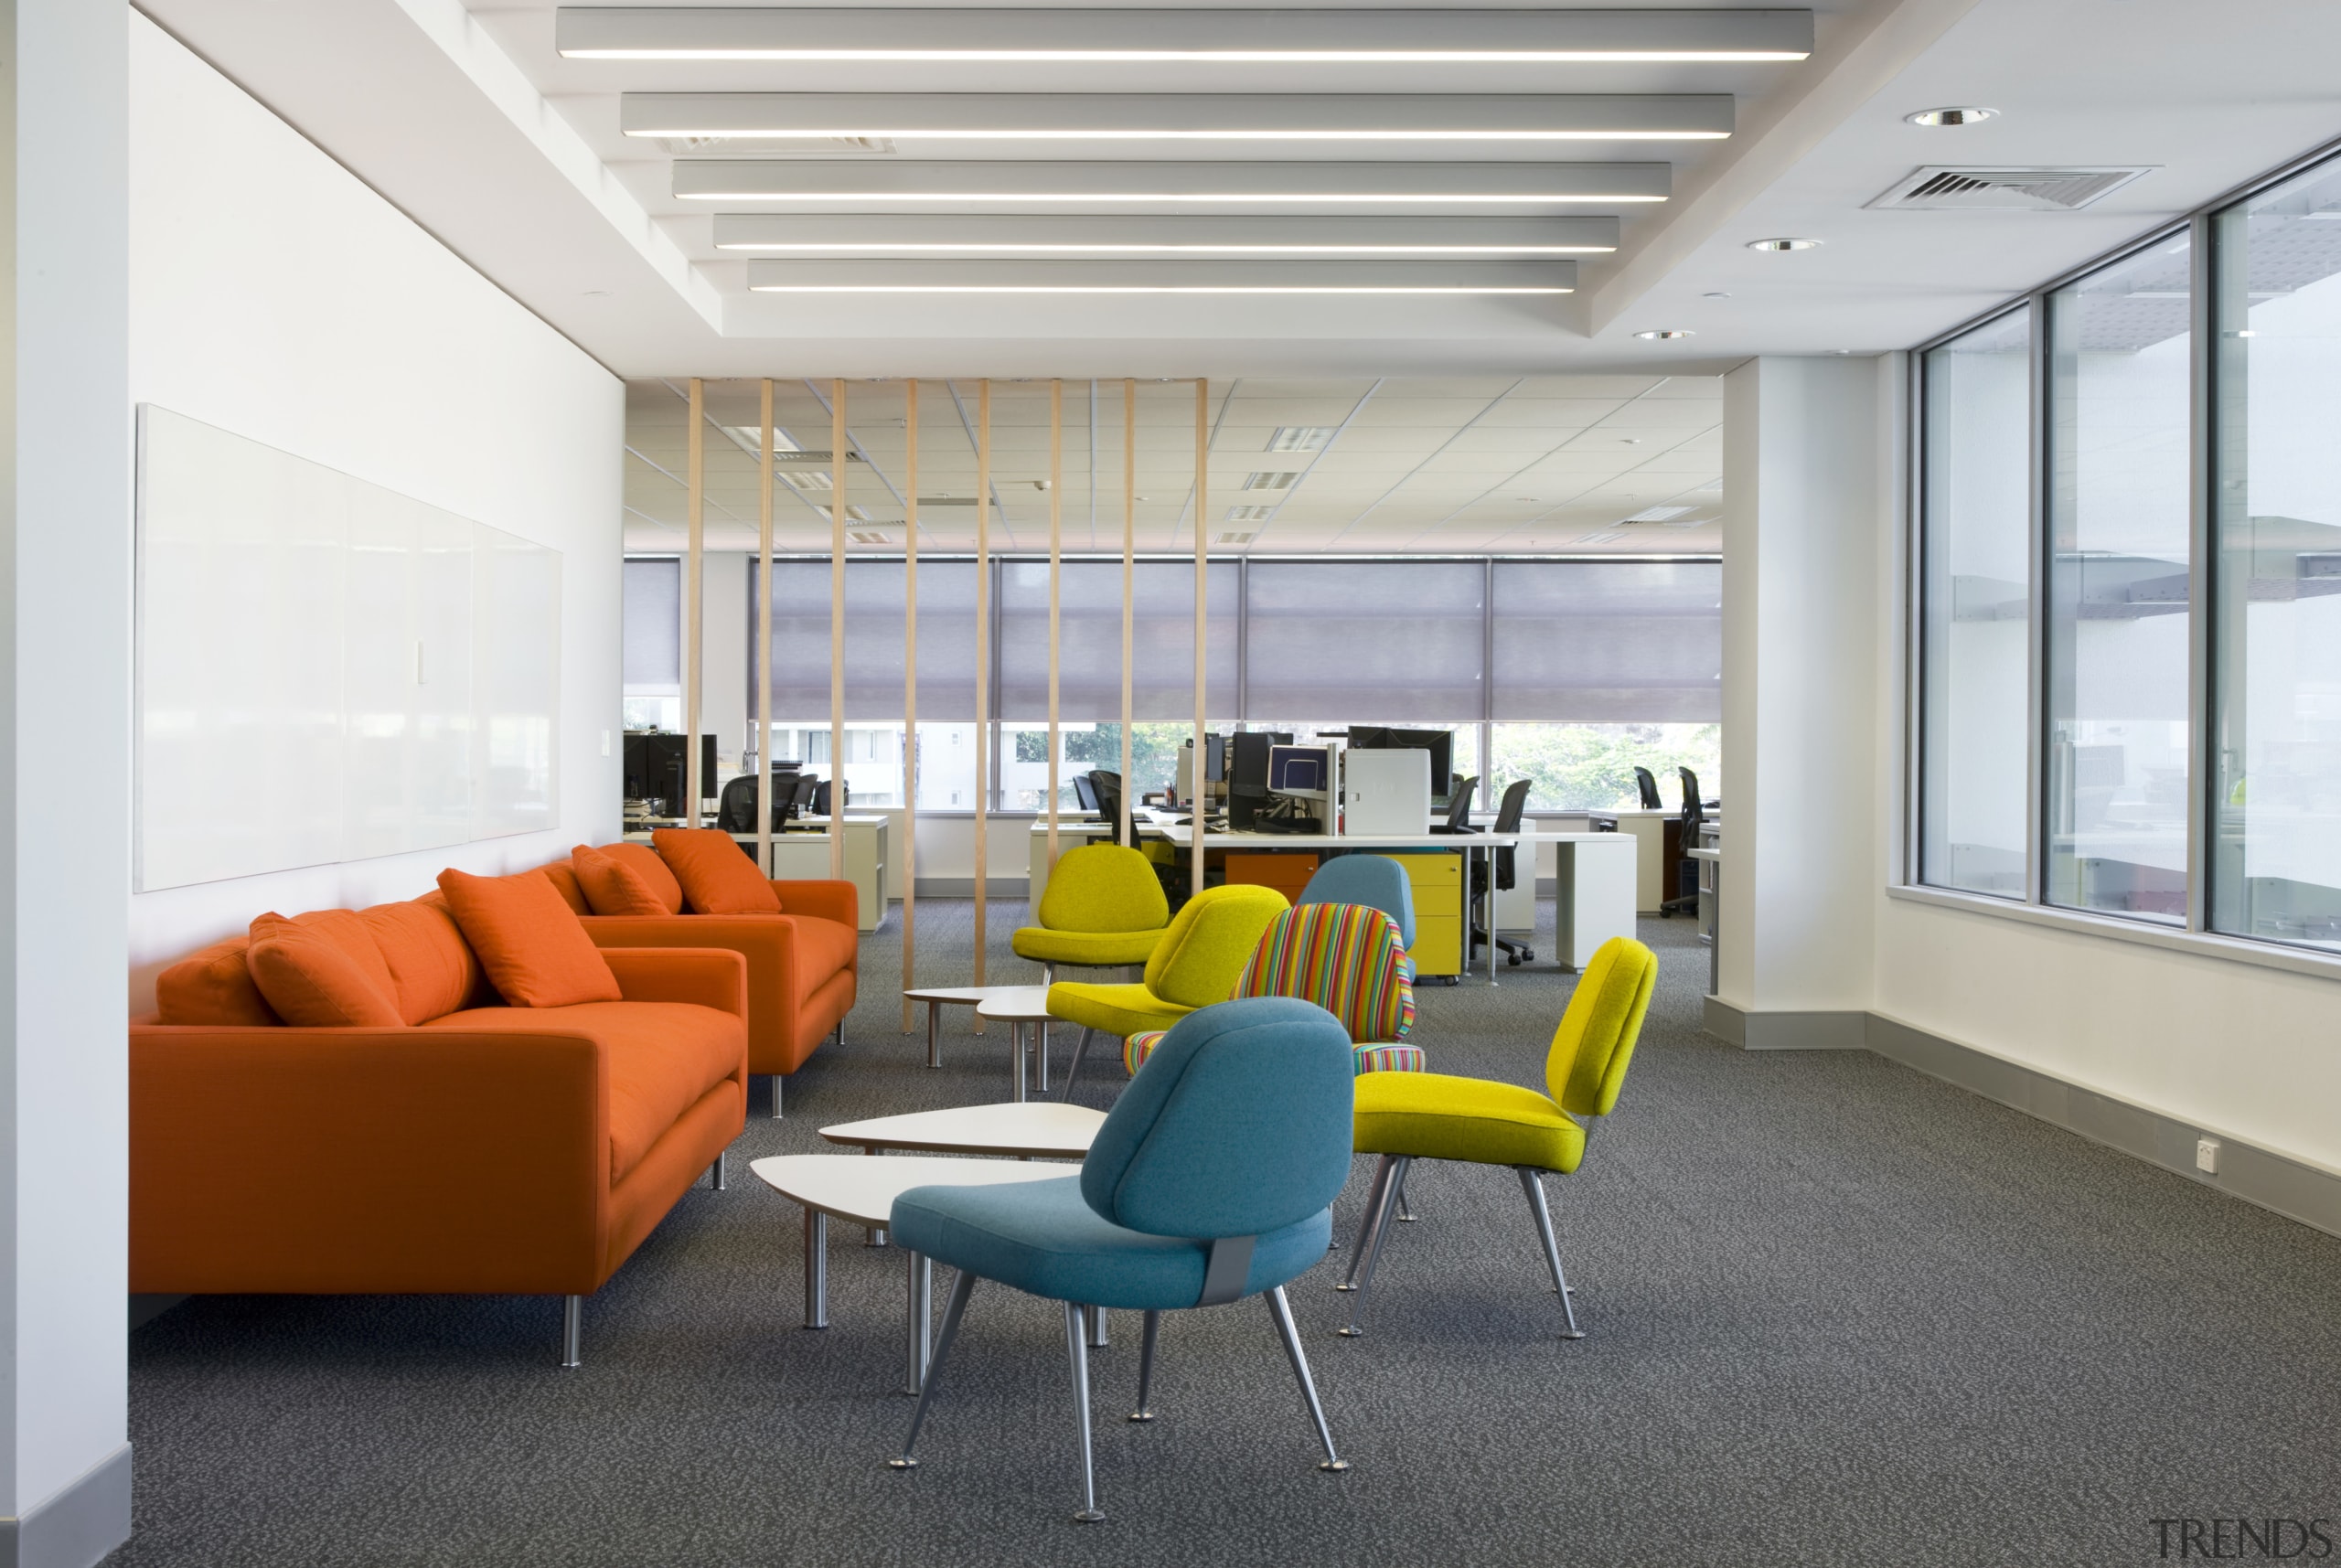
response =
{"points": [[1801, 530], [64, 581], [274, 296]]}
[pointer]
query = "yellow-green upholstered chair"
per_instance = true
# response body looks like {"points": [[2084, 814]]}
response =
{"points": [[1197, 962], [1406, 1117], [1103, 909]]}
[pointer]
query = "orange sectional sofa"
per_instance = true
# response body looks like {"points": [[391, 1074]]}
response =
{"points": [[475, 1148], [804, 964]]}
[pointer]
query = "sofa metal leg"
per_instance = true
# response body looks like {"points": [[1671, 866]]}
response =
{"points": [[572, 1329], [776, 1097], [716, 1173]]}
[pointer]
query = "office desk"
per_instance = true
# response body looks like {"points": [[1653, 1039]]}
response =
{"points": [[1593, 892], [805, 857]]}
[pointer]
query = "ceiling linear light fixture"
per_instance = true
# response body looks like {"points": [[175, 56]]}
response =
{"points": [[894, 233], [1149, 182], [1211, 36], [1660, 335], [1184, 117], [921, 275], [1943, 118], [1783, 244]]}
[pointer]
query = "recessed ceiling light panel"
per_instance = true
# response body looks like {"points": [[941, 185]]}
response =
{"points": [[902, 275], [1187, 186], [748, 32], [902, 233], [1183, 116], [1948, 117], [1782, 244], [1300, 438]]}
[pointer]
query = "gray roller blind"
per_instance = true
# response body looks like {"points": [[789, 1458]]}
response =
{"points": [[1394, 641], [1592, 641], [1089, 679], [874, 594], [652, 630]]}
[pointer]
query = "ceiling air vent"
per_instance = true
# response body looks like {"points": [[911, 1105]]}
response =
{"points": [[1231, 539], [869, 536], [1939, 189]]}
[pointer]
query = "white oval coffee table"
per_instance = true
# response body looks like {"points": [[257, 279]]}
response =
{"points": [[1018, 1005], [862, 1192], [937, 997], [1024, 1129]]}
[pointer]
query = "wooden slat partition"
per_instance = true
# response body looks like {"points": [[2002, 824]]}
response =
{"points": [[1198, 788], [1129, 603], [983, 660], [909, 850], [694, 597], [1056, 568], [838, 465], [764, 631]]}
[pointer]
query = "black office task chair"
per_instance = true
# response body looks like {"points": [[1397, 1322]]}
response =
{"points": [[821, 799], [1508, 817], [736, 811], [1085, 792], [1459, 806], [1646, 784], [1686, 871]]}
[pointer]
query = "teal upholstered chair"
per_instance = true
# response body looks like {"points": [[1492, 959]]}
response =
{"points": [[1212, 1179], [1376, 881]]}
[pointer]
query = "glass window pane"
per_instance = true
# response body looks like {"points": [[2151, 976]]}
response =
{"points": [[1590, 767], [2277, 671], [1976, 540], [2118, 516]]}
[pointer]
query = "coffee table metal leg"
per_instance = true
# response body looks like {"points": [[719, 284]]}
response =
{"points": [[920, 1314], [875, 1235], [934, 1035], [1016, 1039], [1043, 1029], [817, 1269]]}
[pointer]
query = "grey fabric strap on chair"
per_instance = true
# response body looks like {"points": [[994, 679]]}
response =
{"points": [[1224, 1274]]}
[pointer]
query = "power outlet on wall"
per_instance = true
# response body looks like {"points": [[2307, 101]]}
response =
{"points": [[2207, 1156]]}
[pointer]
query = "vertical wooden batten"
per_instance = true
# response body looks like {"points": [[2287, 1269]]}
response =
{"points": [[983, 661], [694, 605], [1056, 568], [837, 464], [1129, 601], [909, 850], [1196, 786], [763, 632]]}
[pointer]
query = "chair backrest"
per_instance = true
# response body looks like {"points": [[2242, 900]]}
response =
{"points": [[1209, 942], [1376, 881], [1692, 813], [736, 811], [1240, 1123], [1103, 887], [1646, 787], [1084, 793], [1459, 805], [807, 786], [1514, 806], [1586, 1065], [1347, 959]]}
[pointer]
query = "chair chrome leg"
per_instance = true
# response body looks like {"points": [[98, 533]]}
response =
{"points": [[1370, 1244], [920, 1312], [1048, 976], [934, 1035], [1040, 1085], [1405, 1214], [1077, 1345], [1377, 1196], [1530, 1184], [1281, 1310], [1145, 1412], [1072, 1068], [961, 1288], [776, 1081], [1094, 1320], [572, 1330], [715, 1173], [817, 1269]]}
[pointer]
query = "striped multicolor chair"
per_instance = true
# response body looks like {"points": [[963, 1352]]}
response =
{"points": [[1347, 959]]}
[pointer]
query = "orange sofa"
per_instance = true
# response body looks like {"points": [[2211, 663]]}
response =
{"points": [[489, 1148], [804, 965]]}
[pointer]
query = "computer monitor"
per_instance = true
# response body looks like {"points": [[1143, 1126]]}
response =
{"points": [[1439, 743], [1303, 773], [654, 768], [1248, 773], [1215, 759]]}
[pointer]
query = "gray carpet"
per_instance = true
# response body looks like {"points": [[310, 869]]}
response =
{"points": [[1838, 1314]]}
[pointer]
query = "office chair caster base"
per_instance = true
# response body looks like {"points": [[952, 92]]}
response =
{"points": [[904, 1463], [1573, 1334], [1140, 1417], [1345, 1288], [1333, 1467], [1090, 1516], [1351, 1332]]}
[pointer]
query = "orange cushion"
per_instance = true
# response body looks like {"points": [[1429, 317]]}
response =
{"points": [[565, 880], [528, 941], [314, 970], [717, 877], [432, 971], [213, 986], [645, 863], [661, 1058], [613, 887]]}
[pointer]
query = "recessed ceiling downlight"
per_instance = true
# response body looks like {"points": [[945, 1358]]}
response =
{"points": [[1782, 244], [1662, 334], [1945, 117]]}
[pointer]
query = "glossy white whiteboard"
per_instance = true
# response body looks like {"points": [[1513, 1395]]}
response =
{"points": [[328, 670]]}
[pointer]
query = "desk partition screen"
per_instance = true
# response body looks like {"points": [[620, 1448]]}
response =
{"points": [[328, 670]]}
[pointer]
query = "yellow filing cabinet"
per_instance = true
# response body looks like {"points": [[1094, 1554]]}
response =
{"points": [[1437, 879]]}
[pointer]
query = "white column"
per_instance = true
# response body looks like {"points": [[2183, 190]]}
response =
{"points": [[1804, 518], [64, 1455]]}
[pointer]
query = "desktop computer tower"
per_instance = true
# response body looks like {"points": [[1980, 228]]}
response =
{"points": [[1385, 792]]}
